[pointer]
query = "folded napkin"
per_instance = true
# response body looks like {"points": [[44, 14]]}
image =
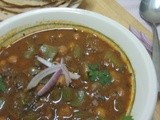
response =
{"points": [[132, 6]]}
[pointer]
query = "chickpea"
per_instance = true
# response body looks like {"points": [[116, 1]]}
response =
{"points": [[120, 91], [2, 118], [63, 50], [101, 112], [58, 59], [60, 35], [12, 59], [95, 102], [95, 86], [76, 83], [61, 81], [65, 110], [2, 63], [71, 46], [76, 36], [49, 113]]}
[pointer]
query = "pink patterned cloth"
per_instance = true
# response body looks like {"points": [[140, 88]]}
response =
{"points": [[132, 6]]}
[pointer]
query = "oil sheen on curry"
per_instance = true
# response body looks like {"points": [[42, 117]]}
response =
{"points": [[65, 73]]}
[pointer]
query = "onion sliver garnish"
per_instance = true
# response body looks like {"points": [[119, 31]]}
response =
{"points": [[66, 74], [74, 75], [49, 64], [45, 62], [52, 68], [135, 32], [146, 40], [50, 83], [36, 79], [143, 38]]}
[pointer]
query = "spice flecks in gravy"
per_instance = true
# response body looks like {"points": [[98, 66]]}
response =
{"points": [[103, 90]]}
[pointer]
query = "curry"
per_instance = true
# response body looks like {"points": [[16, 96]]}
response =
{"points": [[65, 74]]}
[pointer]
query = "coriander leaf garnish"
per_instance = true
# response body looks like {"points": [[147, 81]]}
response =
{"points": [[2, 85], [128, 117], [102, 76]]}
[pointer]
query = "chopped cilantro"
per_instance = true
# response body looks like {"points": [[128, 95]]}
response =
{"points": [[2, 85], [128, 117], [102, 76]]}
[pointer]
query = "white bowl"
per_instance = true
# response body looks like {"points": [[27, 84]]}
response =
{"points": [[146, 81]]}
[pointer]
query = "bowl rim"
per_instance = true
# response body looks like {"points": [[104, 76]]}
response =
{"points": [[147, 114]]}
